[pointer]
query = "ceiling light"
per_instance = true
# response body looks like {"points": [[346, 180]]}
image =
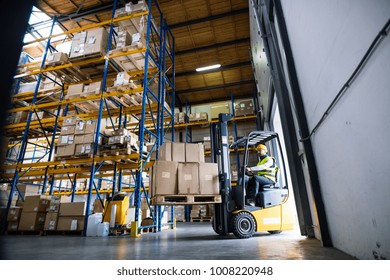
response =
{"points": [[208, 67]]}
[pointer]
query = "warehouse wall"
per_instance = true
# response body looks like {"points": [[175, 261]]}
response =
{"points": [[328, 40]]}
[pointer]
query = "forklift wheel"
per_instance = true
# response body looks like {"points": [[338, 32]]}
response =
{"points": [[243, 225]]}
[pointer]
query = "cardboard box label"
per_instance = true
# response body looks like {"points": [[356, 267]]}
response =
{"points": [[187, 177], [166, 175]]}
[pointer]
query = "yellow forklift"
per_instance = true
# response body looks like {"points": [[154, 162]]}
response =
{"points": [[272, 210]]}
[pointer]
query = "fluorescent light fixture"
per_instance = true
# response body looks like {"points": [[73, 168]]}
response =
{"points": [[208, 67]]}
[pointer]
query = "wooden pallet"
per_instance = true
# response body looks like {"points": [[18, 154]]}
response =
{"points": [[201, 219], [120, 231], [24, 232], [131, 62], [185, 199], [87, 56], [62, 232]]}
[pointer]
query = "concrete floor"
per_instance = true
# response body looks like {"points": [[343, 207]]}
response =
{"points": [[189, 241]]}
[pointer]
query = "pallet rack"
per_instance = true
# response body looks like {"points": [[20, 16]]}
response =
{"points": [[158, 54]]}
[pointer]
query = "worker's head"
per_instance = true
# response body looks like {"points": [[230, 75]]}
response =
{"points": [[261, 149]]}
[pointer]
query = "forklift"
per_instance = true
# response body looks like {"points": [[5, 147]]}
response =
{"points": [[272, 210]]}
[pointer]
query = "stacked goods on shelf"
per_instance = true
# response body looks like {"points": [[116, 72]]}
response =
{"points": [[180, 118], [57, 58], [121, 142], [216, 109], [84, 90], [53, 211], [25, 190], [181, 170], [71, 216], [196, 117], [34, 213], [13, 218], [202, 213], [89, 43], [244, 108], [77, 138], [131, 36]]}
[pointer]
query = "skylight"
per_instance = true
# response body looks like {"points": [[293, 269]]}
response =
{"points": [[41, 24]]}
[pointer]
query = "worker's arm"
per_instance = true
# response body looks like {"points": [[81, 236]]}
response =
{"points": [[263, 166]]}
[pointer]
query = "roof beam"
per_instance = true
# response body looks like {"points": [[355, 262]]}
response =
{"points": [[214, 46], [223, 67], [51, 7], [214, 17], [216, 87]]}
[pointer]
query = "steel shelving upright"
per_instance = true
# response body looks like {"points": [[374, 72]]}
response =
{"points": [[152, 114]]}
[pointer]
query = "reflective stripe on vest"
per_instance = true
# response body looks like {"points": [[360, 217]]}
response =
{"points": [[270, 172]]}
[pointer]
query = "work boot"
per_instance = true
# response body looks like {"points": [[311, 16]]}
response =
{"points": [[249, 202]]}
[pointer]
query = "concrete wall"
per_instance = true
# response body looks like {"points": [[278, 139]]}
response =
{"points": [[328, 40]]}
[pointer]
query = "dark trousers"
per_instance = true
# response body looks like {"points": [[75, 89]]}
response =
{"points": [[252, 185]]}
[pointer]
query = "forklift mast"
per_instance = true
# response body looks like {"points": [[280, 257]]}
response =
{"points": [[220, 155]]}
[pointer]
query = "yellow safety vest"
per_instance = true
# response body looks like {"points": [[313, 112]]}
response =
{"points": [[270, 172]]}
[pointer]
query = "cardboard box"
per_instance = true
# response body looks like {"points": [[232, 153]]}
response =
{"points": [[72, 208], [65, 151], [84, 139], [70, 223], [51, 221], [36, 203], [80, 127], [165, 152], [97, 41], [90, 126], [97, 206], [178, 152], [165, 177], [64, 140], [78, 45], [68, 130], [56, 201], [32, 221], [93, 88], [14, 214], [70, 121], [116, 140], [194, 152], [208, 178], [27, 87], [56, 57], [12, 226], [188, 178]]}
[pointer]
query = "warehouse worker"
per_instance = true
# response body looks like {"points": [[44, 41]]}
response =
{"points": [[264, 173]]}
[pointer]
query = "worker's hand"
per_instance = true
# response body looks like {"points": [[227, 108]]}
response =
{"points": [[249, 171]]}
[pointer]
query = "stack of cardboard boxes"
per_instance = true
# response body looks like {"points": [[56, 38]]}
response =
{"points": [[34, 213], [89, 43], [56, 58], [244, 108], [71, 216], [13, 218], [25, 190], [76, 90], [195, 117], [53, 211], [121, 142], [180, 169], [77, 138], [180, 117]]}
